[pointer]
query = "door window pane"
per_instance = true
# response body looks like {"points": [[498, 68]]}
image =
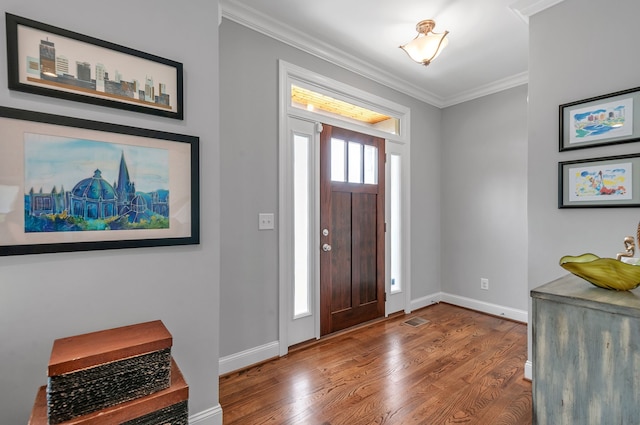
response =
{"points": [[355, 162], [370, 164], [338, 160]]}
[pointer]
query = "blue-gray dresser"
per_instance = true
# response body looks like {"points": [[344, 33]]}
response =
{"points": [[586, 356]]}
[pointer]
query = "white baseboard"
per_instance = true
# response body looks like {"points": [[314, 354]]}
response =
{"points": [[425, 301], [528, 370], [212, 416], [248, 357], [494, 309], [470, 303]]}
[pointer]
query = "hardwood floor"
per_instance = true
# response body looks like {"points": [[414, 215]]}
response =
{"points": [[463, 367]]}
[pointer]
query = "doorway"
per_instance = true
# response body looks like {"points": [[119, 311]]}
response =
{"points": [[300, 230]]}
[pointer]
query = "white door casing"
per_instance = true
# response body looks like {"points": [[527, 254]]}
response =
{"points": [[303, 122]]}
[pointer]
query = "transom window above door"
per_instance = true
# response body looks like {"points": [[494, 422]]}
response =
{"points": [[331, 106]]}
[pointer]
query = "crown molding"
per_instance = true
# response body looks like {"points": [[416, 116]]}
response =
{"points": [[257, 21], [487, 89], [270, 27], [526, 8]]}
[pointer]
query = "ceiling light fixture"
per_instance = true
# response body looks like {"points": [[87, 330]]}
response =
{"points": [[423, 49]]}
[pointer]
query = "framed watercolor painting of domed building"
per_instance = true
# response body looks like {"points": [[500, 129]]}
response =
{"points": [[70, 184]]}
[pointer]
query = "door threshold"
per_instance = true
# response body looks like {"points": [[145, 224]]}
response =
{"points": [[310, 343]]}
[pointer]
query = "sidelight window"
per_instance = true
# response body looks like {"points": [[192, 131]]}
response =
{"points": [[395, 223], [301, 199]]}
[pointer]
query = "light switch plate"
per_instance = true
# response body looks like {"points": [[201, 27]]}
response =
{"points": [[265, 221]]}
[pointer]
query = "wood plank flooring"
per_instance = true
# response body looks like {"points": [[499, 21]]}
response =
{"points": [[463, 367]]}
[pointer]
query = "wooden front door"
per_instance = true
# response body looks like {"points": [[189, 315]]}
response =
{"points": [[352, 228]]}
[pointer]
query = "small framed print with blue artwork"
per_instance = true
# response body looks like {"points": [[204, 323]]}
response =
{"points": [[599, 182], [601, 120]]}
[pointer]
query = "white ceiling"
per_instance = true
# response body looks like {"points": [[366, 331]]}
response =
{"points": [[487, 51]]}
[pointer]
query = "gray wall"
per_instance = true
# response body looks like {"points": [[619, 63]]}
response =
{"points": [[592, 55], [249, 146], [484, 198], [178, 285]]}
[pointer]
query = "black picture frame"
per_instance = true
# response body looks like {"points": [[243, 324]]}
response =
{"points": [[599, 182], [601, 120], [143, 207], [50, 61]]}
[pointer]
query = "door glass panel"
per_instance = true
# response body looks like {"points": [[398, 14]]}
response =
{"points": [[370, 164], [355, 162], [394, 193], [301, 198], [338, 160]]}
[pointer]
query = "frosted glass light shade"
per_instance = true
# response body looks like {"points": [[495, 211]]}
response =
{"points": [[427, 45], [425, 49]]}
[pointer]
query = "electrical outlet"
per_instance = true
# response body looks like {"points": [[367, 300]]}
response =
{"points": [[484, 283], [265, 221]]}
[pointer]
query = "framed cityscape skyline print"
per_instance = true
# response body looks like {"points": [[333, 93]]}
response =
{"points": [[69, 184], [603, 120], [599, 182], [51, 61]]}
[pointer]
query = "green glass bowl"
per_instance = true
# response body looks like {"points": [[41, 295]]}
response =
{"points": [[605, 273]]}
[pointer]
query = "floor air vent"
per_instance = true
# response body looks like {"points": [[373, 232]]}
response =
{"points": [[416, 321]]}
